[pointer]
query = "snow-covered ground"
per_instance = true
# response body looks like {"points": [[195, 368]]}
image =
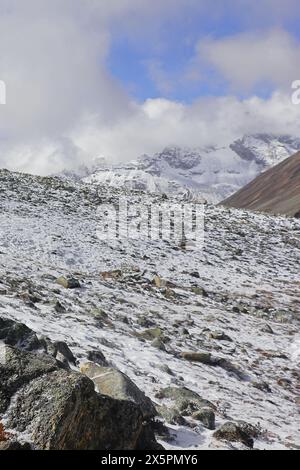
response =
{"points": [[245, 278]]}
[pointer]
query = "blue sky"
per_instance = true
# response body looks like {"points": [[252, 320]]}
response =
{"points": [[120, 78], [173, 49]]}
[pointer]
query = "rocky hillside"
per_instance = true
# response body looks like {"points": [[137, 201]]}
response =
{"points": [[211, 337], [276, 191], [212, 172]]}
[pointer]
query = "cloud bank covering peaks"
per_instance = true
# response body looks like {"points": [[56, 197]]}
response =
{"points": [[65, 105]]}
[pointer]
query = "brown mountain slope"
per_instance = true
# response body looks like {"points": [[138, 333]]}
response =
{"points": [[276, 191]]}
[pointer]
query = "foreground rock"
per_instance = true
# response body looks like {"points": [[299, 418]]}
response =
{"points": [[115, 384], [14, 445], [20, 336], [56, 408]]}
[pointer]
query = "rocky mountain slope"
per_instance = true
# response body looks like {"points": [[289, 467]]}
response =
{"points": [[276, 191], [210, 336], [211, 172]]}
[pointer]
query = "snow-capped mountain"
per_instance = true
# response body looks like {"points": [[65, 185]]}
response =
{"points": [[213, 172]]}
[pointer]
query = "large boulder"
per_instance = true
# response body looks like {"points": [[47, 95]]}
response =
{"points": [[18, 334], [115, 384], [56, 408]]}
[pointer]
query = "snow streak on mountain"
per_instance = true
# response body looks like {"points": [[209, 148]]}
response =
{"points": [[212, 173]]}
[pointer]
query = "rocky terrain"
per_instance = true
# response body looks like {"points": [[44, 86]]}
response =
{"points": [[213, 172], [200, 347]]}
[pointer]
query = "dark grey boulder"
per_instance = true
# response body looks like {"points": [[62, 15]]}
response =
{"points": [[18, 334], [59, 409]]}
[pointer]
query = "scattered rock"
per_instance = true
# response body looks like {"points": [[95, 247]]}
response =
{"points": [[98, 358], [263, 386], [199, 291], [68, 283], [209, 360], [219, 336], [203, 358], [145, 322], [267, 329], [63, 353], [59, 308], [158, 344], [195, 274], [18, 334], [165, 368], [151, 334]]}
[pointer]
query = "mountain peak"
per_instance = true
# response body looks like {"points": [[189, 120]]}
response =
{"points": [[212, 172]]}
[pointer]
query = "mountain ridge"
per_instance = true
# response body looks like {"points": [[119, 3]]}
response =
{"points": [[212, 172], [276, 191]]}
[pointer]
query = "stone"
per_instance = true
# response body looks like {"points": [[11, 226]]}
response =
{"points": [[207, 417], [18, 334], [59, 308], [68, 283], [267, 329], [14, 445], [115, 384], [63, 349], [199, 291], [219, 336], [158, 344], [59, 409], [151, 334], [195, 274], [98, 358], [263, 386], [203, 358], [145, 322]]}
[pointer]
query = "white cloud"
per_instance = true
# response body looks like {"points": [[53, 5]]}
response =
{"points": [[249, 60], [53, 62], [159, 122], [63, 105]]}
